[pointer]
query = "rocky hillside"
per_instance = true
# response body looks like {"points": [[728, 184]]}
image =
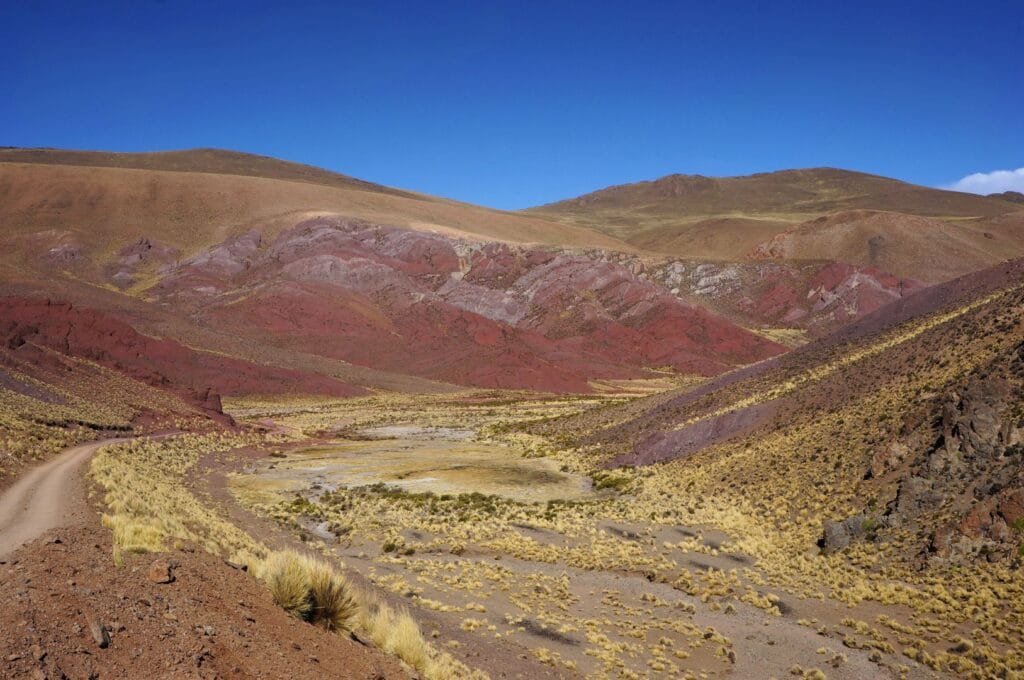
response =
{"points": [[810, 298], [907, 424], [484, 314]]}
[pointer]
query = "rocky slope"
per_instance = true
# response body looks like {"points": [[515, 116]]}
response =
{"points": [[485, 314], [29, 327], [925, 396], [816, 297], [955, 470]]}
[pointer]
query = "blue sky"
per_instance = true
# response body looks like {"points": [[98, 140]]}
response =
{"points": [[521, 103]]}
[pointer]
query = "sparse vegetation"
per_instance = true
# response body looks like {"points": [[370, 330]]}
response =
{"points": [[149, 507], [721, 532]]}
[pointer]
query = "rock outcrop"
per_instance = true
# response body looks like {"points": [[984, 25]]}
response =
{"points": [[483, 314], [957, 477]]}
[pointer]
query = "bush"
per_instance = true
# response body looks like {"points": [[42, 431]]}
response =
{"points": [[333, 604], [311, 590], [289, 584]]}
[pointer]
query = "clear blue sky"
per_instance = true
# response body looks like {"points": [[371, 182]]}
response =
{"points": [[520, 103]]}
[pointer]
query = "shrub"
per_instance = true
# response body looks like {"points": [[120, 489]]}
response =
{"points": [[289, 583], [311, 590], [333, 604]]}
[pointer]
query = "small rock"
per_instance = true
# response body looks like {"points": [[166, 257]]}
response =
{"points": [[99, 634], [38, 653], [160, 572]]}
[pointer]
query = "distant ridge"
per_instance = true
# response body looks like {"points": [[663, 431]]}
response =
{"points": [[207, 160], [193, 198], [726, 218], [781, 192]]}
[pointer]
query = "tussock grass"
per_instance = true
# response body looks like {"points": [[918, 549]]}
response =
{"points": [[311, 589], [134, 536], [397, 633], [288, 580]]}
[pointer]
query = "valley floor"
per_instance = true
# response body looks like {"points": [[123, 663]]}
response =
{"points": [[516, 556], [606, 582]]}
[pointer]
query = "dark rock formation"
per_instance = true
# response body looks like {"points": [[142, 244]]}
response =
{"points": [[967, 488]]}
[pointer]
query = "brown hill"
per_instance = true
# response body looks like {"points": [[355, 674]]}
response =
{"points": [[908, 245], [696, 216], [211, 161], [193, 199]]}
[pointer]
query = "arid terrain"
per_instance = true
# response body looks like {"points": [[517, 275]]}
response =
{"points": [[260, 419]]}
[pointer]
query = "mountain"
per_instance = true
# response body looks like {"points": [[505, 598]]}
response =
{"points": [[306, 270], [804, 451], [193, 199], [1012, 196], [726, 218]]}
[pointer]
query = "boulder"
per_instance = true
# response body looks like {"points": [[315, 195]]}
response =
{"points": [[160, 571], [838, 535]]}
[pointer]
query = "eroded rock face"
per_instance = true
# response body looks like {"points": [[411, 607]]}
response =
{"points": [[838, 535], [970, 479], [816, 297], [953, 474], [482, 314], [136, 257]]}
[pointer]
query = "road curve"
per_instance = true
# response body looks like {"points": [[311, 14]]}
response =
{"points": [[46, 497]]}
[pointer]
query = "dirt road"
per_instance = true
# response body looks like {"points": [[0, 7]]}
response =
{"points": [[44, 498]]}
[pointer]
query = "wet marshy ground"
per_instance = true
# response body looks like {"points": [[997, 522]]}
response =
{"points": [[415, 459]]}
